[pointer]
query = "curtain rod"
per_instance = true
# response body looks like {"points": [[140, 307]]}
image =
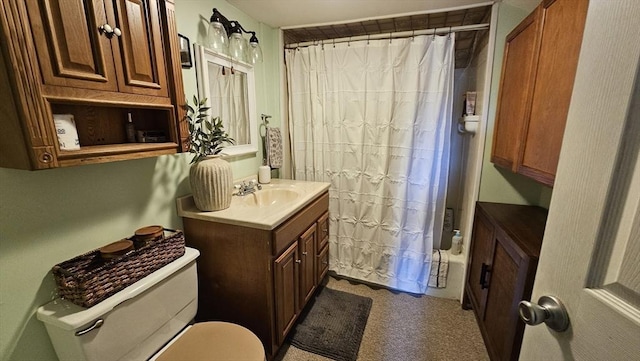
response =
{"points": [[393, 35]]}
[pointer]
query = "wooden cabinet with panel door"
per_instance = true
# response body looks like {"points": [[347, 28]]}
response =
{"points": [[505, 248], [98, 61], [539, 66], [259, 278], [322, 254]]}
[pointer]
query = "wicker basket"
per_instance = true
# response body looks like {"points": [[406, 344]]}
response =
{"points": [[87, 279]]}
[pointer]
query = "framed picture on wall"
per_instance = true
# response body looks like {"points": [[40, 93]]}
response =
{"points": [[185, 52]]}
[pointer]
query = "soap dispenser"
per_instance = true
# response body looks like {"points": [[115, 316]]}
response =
{"points": [[456, 242]]}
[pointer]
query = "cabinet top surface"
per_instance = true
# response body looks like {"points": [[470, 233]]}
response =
{"points": [[264, 209], [524, 224]]}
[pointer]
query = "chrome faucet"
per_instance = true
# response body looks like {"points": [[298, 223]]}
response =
{"points": [[245, 188]]}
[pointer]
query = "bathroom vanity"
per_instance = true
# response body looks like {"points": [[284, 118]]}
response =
{"points": [[262, 258]]}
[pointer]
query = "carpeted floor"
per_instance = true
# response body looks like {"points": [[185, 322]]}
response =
{"points": [[405, 327]]}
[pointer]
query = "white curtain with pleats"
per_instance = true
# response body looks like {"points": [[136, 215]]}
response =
{"points": [[373, 118], [229, 100]]}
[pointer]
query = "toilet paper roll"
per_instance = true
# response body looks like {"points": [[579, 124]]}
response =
{"points": [[264, 174]]}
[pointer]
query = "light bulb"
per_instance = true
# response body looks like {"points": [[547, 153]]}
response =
{"points": [[255, 53], [237, 47], [217, 37]]}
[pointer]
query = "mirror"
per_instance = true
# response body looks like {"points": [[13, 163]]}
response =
{"points": [[231, 95]]}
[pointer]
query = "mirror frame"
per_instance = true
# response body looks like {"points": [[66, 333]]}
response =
{"points": [[205, 56]]}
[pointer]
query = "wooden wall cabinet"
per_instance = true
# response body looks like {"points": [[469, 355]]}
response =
{"points": [[538, 71], [98, 60], [261, 279], [505, 247]]}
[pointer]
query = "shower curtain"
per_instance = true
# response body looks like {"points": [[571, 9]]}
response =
{"points": [[373, 118]]}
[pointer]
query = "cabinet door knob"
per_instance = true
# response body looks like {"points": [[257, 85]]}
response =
{"points": [[298, 261], [109, 31], [304, 253], [549, 310]]}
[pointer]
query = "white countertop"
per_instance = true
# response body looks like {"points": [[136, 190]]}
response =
{"points": [[266, 217]]}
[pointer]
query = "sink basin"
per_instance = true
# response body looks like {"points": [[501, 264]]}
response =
{"points": [[270, 196]]}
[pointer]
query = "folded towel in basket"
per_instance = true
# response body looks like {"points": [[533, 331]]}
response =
{"points": [[439, 269], [273, 145]]}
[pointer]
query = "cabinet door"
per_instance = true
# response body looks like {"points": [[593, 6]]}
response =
{"points": [[307, 245], [286, 290], [322, 263], [322, 250], [558, 60], [501, 315], [479, 269], [71, 50], [516, 86], [139, 56]]}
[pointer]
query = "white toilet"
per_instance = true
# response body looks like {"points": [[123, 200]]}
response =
{"points": [[148, 320]]}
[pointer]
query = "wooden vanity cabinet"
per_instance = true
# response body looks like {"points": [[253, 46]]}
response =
{"points": [[538, 72], [261, 279], [58, 59], [322, 256], [505, 247]]}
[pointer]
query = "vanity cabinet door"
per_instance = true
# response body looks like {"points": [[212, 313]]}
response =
{"points": [[307, 244], [322, 252], [286, 290]]}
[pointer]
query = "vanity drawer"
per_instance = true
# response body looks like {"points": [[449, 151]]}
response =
{"points": [[323, 230], [293, 228]]}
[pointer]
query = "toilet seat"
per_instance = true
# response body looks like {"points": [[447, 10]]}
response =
{"points": [[214, 341]]}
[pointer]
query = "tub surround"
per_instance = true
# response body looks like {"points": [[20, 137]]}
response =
{"points": [[245, 210]]}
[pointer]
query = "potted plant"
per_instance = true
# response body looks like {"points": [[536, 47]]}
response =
{"points": [[210, 176]]}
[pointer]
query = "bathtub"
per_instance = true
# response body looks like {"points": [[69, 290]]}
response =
{"points": [[455, 278]]}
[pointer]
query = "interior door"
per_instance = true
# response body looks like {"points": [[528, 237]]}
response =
{"points": [[589, 257]]}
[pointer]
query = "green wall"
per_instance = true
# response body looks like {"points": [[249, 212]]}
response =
{"points": [[49, 216], [497, 184]]}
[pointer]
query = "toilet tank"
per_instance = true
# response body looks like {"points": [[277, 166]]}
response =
{"points": [[130, 325]]}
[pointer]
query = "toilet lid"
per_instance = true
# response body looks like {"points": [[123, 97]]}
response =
{"points": [[215, 341]]}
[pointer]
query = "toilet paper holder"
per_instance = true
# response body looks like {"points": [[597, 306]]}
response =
{"points": [[468, 124]]}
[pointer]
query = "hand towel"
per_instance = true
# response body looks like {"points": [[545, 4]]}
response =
{"points": [[274, 147], [439, 269]]}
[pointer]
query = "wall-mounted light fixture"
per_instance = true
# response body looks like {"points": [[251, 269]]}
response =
{"points": [[225, 36]]}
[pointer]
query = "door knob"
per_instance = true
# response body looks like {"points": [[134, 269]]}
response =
{"points": [[549, 310]]}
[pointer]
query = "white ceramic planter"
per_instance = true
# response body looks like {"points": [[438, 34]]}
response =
{"points": [[211, 183]]}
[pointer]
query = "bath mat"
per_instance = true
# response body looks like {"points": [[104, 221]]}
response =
{"points": [[333, 325]]}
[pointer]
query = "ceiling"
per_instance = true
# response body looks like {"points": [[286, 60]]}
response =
{"points": [[313, 20], [466, 42], [296, 13]]}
